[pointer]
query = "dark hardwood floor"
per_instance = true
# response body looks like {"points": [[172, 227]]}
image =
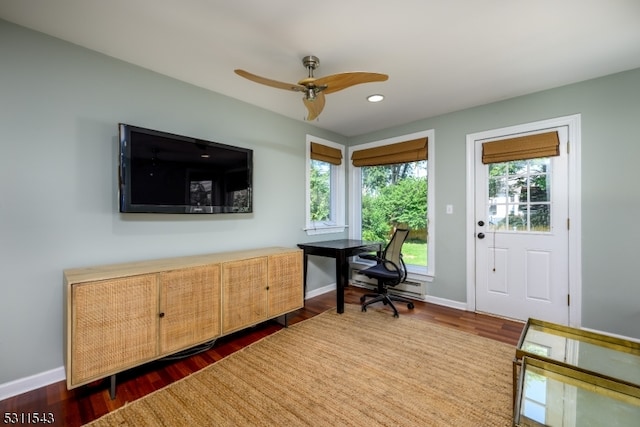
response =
{"points": [[78, 406]]}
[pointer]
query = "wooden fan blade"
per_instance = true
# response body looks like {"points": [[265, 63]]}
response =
{"points": [[336, 82], [314, 106], [269, 82]]}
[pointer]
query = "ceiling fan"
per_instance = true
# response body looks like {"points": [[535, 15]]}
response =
{"points": [[315, 88]]}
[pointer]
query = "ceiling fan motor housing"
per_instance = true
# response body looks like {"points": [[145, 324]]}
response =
{"points": [[311, 62]]}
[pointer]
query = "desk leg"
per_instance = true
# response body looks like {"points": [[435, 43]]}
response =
{"points": [[342, 272]]}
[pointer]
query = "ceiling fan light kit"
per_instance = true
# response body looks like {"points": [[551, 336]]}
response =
{"points": [[315, 89]]}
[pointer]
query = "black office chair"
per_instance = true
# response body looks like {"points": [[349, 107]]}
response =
{"points": [[389, 271]]}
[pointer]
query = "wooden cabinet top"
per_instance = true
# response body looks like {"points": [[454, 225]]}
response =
{"points": [[104, 272]]}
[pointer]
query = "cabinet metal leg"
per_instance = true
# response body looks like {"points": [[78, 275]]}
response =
{"points": [[112, 387], [283, 320]]}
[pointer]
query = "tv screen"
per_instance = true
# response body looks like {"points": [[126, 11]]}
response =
{"points": [[165, 173]]}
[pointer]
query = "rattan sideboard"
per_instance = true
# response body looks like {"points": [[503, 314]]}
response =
{"points": [[123, 315]]}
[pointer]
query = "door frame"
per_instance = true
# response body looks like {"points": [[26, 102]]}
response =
{"points": [[573, 123]]}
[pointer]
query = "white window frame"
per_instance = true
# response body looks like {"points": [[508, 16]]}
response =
{"points": [[355, 199], [338, 176]]}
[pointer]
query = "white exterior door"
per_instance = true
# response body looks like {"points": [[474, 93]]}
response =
{"points": [[522, 234]]}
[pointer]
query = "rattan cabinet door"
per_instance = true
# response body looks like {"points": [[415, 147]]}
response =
{"points": [[189, 307], [244, 293], [285, 283], [114, 326]]}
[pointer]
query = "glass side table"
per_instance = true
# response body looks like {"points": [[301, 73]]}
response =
{"points": [[603, 355], [551, 394]]}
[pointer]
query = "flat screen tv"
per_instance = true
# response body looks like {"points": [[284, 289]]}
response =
{"points": [[165, 173]]}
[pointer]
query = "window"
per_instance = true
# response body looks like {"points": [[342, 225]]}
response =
{"points": [[394, 188], [519, 181], [325, 174]]}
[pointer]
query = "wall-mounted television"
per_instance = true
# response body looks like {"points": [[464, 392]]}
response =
{"points": [[162, 172]]}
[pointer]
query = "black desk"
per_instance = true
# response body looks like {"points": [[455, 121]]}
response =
{"points": [[340, 250]]}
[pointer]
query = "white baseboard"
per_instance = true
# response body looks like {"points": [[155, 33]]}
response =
{"points": [[446, 302], [320, 291], [23, 385]]}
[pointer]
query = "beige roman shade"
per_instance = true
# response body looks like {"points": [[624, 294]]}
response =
{"points": [[326, 154], [521, 148], [401, 152]]}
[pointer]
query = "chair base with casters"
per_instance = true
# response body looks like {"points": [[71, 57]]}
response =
{"points": [[387, 299], [388, 271]]}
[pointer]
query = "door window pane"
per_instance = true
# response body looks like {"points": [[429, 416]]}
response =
{"points": [[520, 196], [540, 217]]}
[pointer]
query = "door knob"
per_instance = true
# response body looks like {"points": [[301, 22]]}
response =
{"points": [[480, 235], [481, 223]]}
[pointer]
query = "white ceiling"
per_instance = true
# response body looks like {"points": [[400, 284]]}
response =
{"points": [[441, 56]]}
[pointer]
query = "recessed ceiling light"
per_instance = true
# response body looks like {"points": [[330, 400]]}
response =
{"points": [[375, 98]]}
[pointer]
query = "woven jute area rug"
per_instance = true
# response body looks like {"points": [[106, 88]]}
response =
{"points": [[351, 369]]}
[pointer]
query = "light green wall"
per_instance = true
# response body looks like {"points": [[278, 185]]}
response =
{"points": [[59, 109], [610, 109]]}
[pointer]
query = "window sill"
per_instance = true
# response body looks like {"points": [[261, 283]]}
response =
{"points": [[325, 229]]}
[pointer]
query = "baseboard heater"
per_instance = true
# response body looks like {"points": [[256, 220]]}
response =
{"points": [[409, 288]]}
